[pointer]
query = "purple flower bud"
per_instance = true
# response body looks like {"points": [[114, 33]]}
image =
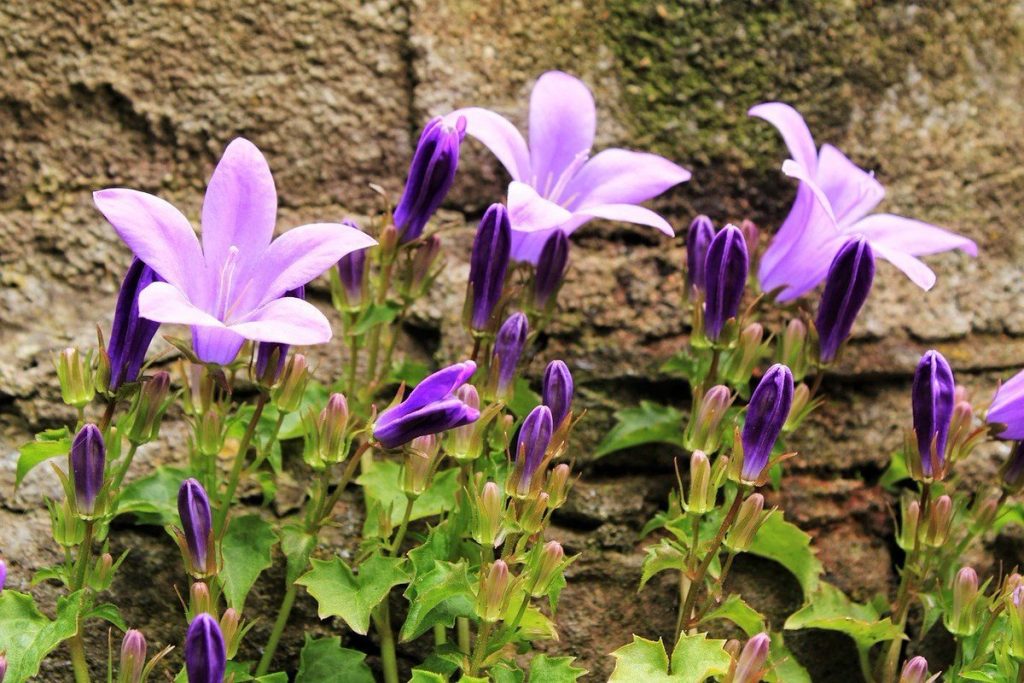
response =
{"points": [[268, 352], [205, 654], [431, 175], [915, 670], [130, 335], [558, 390], [698, 239], [551, 265], [352, 268], [508, 347], [532, 444], [488, 263], [196, 523], [725, 276], [133, 657], [750, 666], [431, 408], [932, 399], [766, 414], [3, 666], [88, 458], [846, 289], [3, 575]]}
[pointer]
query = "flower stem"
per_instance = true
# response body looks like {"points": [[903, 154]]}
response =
{"points": [[440, 635], [480, 651], [462, 625], [400, 536], [388, 658], [236, 467], [279, 624], [108, 415], [78, 662], [84, 556], [123, 469]]}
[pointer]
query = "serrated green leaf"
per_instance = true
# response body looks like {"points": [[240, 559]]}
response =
{"points": [[784, 666], [341, 593], [660, 557], [739, 613], [642, 660], [421, 676], [788, 545], [28, 636], [830, 609], [506, 673], [297, 545], [153, 499], [107, 612], [382, 484], [46, 444], [324, 659], [649, 423], [246, 549], [698, 657], [545, 669], [438, 597]]}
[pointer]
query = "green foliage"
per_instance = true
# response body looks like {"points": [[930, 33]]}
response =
{"points": [[382, 486], [341, 593], [153, 499], [246, 548], [46, 444], [324, 659], [545, 669], [28, 636], [650, 423], [660, 557], [437, 597], [694, 659], [734, 609], [788, 545], [828, 608], [297, 545]]}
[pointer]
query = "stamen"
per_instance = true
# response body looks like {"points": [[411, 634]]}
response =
{"points": [[227, 276]]}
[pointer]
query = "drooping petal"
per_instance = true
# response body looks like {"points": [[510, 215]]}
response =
{"points": [[1008, 408], [919, 273], [627, 213], [240, 207], [796, 170], [158, 234], [916, 238], [619, 176], [498, 135], [852, 192], [529, 212], [287, 320], [562, 124], [794, 130], [164, 303]]}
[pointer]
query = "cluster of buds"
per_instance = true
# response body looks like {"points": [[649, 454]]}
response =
{"points": [[327, 438]]}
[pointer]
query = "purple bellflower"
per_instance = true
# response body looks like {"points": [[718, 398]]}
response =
{"points": [[846, 289], [551, 265], [832, 203], [532, 444], [205, 654], [1007, 408], [431, 408], [766, 414], [431, 175], [558, 390], [88, 458], [196, 523], [351, 269], [933, 397], [130, 334], [488, 264], [725, 276], [265, 351], [231, 288], [508, 348], [555, 184], [698, 239]]}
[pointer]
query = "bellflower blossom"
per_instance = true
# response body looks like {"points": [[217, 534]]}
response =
{"points": [[1007, 408], [556, 185], [230, 288], [832, 204], [431, 408]]}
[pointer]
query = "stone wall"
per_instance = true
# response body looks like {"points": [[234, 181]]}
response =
{"points": [[96, 94]]}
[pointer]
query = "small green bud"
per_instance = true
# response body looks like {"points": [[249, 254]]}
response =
{"points": [[749, 519], [704, 433], [799, 409], [420, 458], [747, 353], [492, 597], [331, 429], [103, 573], [548, 562], [910, 521], [792, 349], [210, 433], [558, 485], [915, 670], [290, 388], [148, 411], [531, 514], [76, 377], [200, 598], [965, 617], [133, 657], [489, 515], [67, 527], [750, 666], [230, 628], [702, 492]]}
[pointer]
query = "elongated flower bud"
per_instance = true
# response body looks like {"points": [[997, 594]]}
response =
{"points": [[420, 456], [847, 286], [133, 657], [746, 355], [196, 525], [558, 485], [543, 570], [725, 275], [508, 348], [205, 654], [149, 408], [88, 458], [493, 594], [910, 522], [270, 356], [964, 619], [698, 239], [702, 494], [750, 667], [489, 515], [531, 513], [932, 400], [200, 599], [231, 629], [462, 443], [703, 432], [766, 414], [352, 271], [940, 520], [751, 234], [331, 429], [431, 175], [915, 670], [488, 264], [420, 272], [551, 266], [289, 391], [532, 444], [210, 433], [792, 349], [77, 380], [130, 335], [749, 519], [558, 391]]}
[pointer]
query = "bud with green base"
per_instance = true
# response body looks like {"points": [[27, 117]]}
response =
{"points": [[489, 515], [940, 521], [964, 619], [544, 564], [703, 433], [493, 594], [74, 370], [749, 519], [148, 410], [288, 392]]}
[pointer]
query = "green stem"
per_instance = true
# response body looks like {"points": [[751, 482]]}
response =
{"points": [[400, 536], [108, 415], [353, 360], [78, 662], [480, 651], [388, 657], [440, 635], [462, 626], [279, 624], [123, 469], [236, 467], [84, 556]]}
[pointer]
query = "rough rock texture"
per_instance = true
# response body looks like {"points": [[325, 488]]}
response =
{"points": [[96, 94]]}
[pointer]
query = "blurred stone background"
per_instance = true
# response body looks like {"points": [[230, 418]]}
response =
{"points": [[146, 94]]}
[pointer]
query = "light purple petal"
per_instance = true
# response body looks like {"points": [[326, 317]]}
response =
{"points": [[794, 131], [240, 207], [162, 302], [628, 213], [498, 135], [919, 273], [795, 170], [852, 192], [1008, 407], [158, 234], [796, 229], [619, 176], [562, 124], [287, 320], [439, 385], [805, 266], [216, 344], [916, 238], [527, 246], [529, 212]]}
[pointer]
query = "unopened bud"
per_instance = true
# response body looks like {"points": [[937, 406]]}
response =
{"points": [[558, 485], [909, 524], [210, 433], [965, 617], [489, 515], [420, 456], [792, 348], [750, 518], [230, 628], [704, 433], [149, 408], [746, 355], [422, 263], [702, 493], [104, 570], [800, 409], [74, 370], [940, 520], [545, 568], [292, 385], [531, 515], [460, 441], [750, 666], [915, 670], [133, 657], [200, 599], [331, 429], [984, 511], [751, 234], [493, 595], [962, 435]]}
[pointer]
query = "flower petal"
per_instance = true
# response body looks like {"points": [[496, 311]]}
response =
{"points": [[619, 176], [627, 213], [158, 234], [527, 246], [287, 320], [919, 273], [852, 192], [794, 130], [530, 212], [240, 207], [913, 237], [562, 124], [498, 135], [1008, 407], [796, 170], [216, 344], [162, 302], [438, 385]]}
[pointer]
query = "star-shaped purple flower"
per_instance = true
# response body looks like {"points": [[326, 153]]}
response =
{"points": [[555, 184], [832, 205], [230, 288]]}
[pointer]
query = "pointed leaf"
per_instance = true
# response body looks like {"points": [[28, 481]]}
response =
{"points": [[660, 557], [438, 597], [383, 485], [246, 548], [324, 659], [153, 499], [739, 613], [297, 545], [650, 423], [830, 609], [107, 612], [697, 657], [341, 593], [545, 669], [642, 660], [47, 444], [788, 545], [28, 636]]}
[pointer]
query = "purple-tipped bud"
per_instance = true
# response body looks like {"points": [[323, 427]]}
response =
{"points": [[558, 390], [331, 429], [751, 234], [431, 175], [766, 414], [932, 400], [196, 523], [270, 356], [750, 667], [698, 239], [508, 347], [964, 619], [133, 657], [748, 521], [551, 265], [493, 595], [546, 566], [88, 458], [703, 432], [352, 269], [289, 391], [130, 335], [431, 408], [205, 654], [532, 444], [423, 263], [557, 486], [846, 289], [915, 670], [488, 264], [725, 276], [940, 520]]}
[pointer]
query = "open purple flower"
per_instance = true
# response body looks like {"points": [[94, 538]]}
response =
{"points": [[846, 289], [932, 400], [205, 654], [431, 408], [766, 414], [832, 204], [130, 335], [1007, 408], [555, 184], [231, 288]]}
